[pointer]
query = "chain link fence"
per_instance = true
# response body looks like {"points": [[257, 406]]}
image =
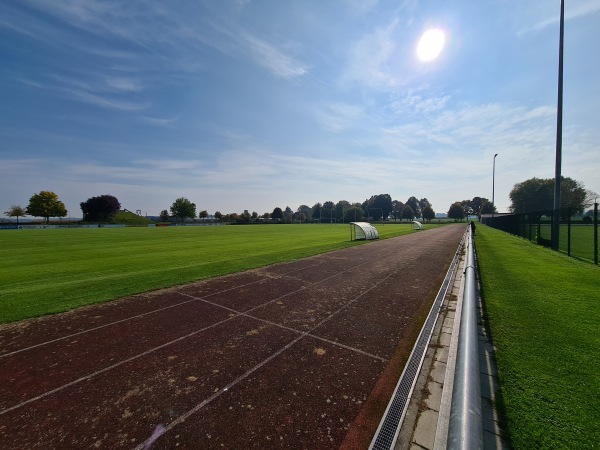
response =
{"points": [[577, 238]]}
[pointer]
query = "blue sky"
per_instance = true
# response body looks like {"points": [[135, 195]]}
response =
{"points": [[253, 104]]}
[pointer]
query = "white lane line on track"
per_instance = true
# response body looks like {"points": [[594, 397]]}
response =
{"points": [[245, 375], [86, 377], [278, 325], [99, 327]]}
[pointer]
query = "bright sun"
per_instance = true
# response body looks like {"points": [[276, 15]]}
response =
{"points": [[431, 44]]}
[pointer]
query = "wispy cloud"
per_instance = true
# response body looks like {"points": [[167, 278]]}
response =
{"points": [[159, 122], [271, 58], [572, 11], [369, 59], [337, 117]]}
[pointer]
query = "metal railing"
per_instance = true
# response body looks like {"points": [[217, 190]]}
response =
{"points": [[465, 427]]}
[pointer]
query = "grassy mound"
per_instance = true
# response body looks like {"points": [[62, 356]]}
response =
{"points": [[130, 219]]}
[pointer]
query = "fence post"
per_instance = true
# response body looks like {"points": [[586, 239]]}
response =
{"points": [[596, 233], [569, 232]]}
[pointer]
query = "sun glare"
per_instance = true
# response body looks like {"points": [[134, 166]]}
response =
{"points": [[431, 44]]}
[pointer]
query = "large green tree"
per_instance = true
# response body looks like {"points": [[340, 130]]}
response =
{"points": [[456, 211], [304, 213], [277, 214], [355, 214], [183, 209], [428, 213], [15, 211], [101, 208], [537, 195], [413, 202], [378, 206], [46, 204], [407, 212]]}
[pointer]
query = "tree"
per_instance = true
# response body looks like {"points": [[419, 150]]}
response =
{"points": [[456, 211], [414, 205], [379, 205], [46, 204], [407, 212], [304, 213], [98, 209], [424, 203], [183, 209], [277, 214], [164, 215], [397, 207], [340, 210], [218, 215], [288, 214], [316, 211], [537, 195], [203, 214], [15, 211], [487, 208], [428, 213], [355, 213]]}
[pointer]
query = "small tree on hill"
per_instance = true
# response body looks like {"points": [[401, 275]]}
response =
{"points": [[46, 204], [15, 211]]}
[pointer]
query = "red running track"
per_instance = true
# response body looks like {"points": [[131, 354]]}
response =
{"points": [[297, 355]]}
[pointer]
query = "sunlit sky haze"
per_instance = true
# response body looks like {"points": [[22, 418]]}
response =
{"points": [[248, 105]]}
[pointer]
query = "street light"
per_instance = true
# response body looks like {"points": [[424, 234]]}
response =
{"points": [[559, 115], [493, 183]]}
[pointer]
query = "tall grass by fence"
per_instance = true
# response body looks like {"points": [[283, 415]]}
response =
{"points": [[576, 238]]}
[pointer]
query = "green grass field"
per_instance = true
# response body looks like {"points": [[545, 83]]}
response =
{"points": [[582, 239], [544, 316], [53, 270]]}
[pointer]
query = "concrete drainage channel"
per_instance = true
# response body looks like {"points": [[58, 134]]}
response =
{"points": [[418, 414], [387, 432]]}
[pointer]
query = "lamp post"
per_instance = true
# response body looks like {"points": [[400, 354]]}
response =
{"points": [[559, 113], [493, 183]]}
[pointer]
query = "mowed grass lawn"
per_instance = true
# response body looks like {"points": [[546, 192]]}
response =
{"points": [[582, 239], [544, 314], [47, 271]]}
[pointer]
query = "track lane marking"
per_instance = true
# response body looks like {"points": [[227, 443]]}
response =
{"points": [[105, 369], [249, 372], [143, 314]]}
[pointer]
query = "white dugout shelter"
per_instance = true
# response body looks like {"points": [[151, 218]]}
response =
{"points": [[362, 230]]}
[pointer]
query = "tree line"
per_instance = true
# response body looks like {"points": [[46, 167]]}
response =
{"points": [[529, 196]]}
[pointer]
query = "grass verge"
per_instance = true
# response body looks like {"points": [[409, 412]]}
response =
{"points": [[53, 270], [543, 311]]}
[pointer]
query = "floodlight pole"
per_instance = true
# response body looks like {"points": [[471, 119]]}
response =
{"points": [[493, 182], [559, 112]]}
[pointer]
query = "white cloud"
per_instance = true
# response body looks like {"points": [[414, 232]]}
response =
{"points": [[337, 117], [369, 59], [271, 58], [572, 11]]}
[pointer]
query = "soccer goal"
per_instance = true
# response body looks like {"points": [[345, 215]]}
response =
{"points": [[362, 230]]}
